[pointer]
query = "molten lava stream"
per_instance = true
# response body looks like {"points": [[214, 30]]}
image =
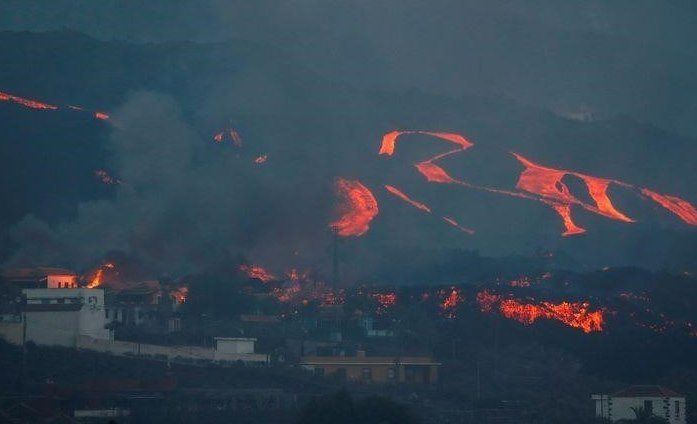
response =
{"points": [[33, 104], [401, 195], [357, 208], [682, 208], [258, 273]]}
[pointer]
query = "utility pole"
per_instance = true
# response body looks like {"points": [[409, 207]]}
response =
{"points": [[335, 257]]}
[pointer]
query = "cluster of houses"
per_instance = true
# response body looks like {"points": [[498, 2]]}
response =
{"points": [[48, 306]]}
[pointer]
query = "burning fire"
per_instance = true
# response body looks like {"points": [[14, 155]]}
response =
{"points": [[258, 273], [357, 208], [450, 301], [575, 315], [180, 294], [98, 277]]}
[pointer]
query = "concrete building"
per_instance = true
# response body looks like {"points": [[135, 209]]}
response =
{"points": [[60, 316], [375, 369], [39, 277], [237, 348], [658, 400]]}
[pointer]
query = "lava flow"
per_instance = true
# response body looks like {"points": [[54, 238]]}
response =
{"points": [[540, 183], [548, 184], [450, 301], [35, 104], [258, 273], [401, 195], [575, 315], [357, 208], [682, 208], [260, 159]]}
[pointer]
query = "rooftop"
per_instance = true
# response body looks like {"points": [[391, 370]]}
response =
{"points": [[646, 391]]}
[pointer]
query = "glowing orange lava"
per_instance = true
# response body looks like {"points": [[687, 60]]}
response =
{"points": [[180, 294], [260, 159], [575, 315], [258, 273], [357, 208], [401, 195], [33, 104], [458, 226], [682, 208]]}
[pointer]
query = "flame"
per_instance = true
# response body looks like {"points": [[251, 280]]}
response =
{"points": [[260, 159], [357, 208], [682, 208], [573, 314], [257, 272], [401, 195], [101, 115], [180, 294], [98, 277]]}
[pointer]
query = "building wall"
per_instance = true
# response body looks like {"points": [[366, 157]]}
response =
{"points": [[60, 281], [618, 408], [62, 327], [380, 373], [118, 347]]}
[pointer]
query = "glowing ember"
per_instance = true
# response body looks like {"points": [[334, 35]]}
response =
{"points": [[451, 300], [575, 315], [261, 159], [33, 104], [520, 282], [385, 301], [357, 208], [218, 137], [258, 273], [682, 208], [231, 134], [401, 195], [101, 115]]}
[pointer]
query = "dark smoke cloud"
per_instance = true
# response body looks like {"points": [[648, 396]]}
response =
{"points": [[625, 57], [183, 206]]}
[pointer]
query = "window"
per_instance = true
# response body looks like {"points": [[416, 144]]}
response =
{"points": [[391, 373], [106, 312], [648, 406], [677, 409], [319, 371]]}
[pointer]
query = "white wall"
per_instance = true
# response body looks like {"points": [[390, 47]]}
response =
{"points": [[621, 407]]}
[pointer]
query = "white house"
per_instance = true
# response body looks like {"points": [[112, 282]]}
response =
{"points": [[660, 401], [237, 348], [58, 316]]}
